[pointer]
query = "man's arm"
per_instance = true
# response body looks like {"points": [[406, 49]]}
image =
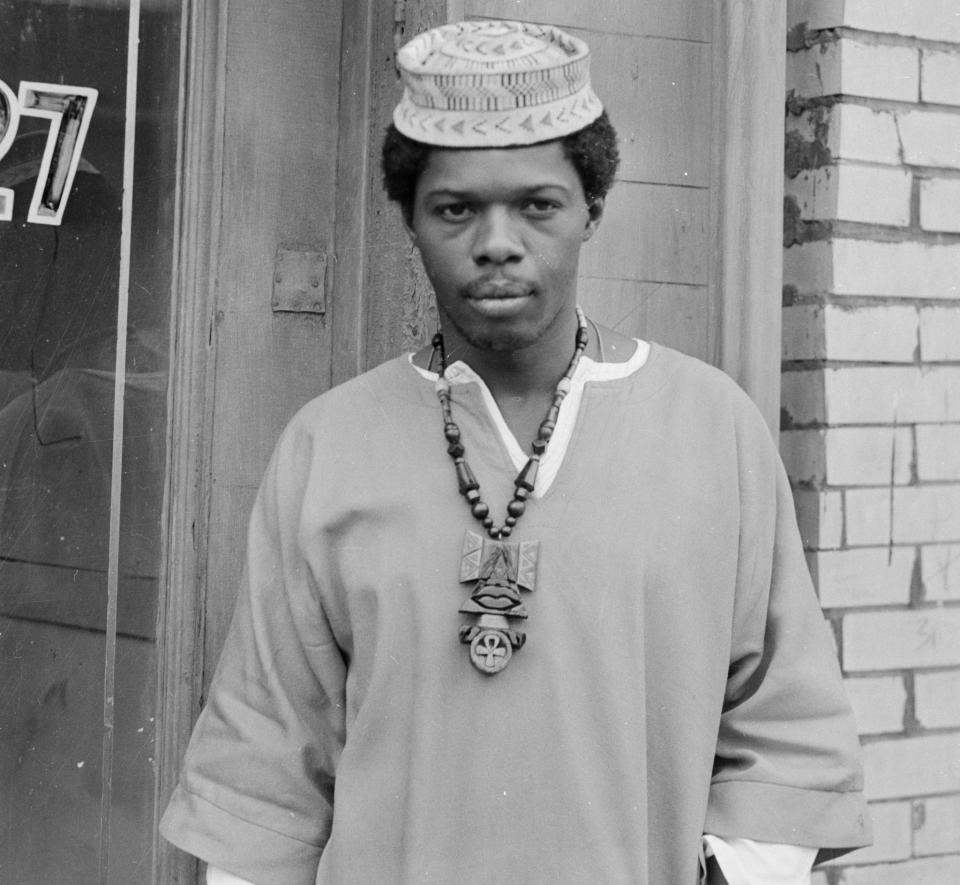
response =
{"points": [[788, 765], [256, 793]]}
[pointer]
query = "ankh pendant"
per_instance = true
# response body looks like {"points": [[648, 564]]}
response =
{"points": [[501, 569]]}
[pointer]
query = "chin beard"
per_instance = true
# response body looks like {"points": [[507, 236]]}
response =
{"points": [[504, 341], [495, 338]]}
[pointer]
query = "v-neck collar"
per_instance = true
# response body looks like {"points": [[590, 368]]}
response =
{"points": [[587, 371]]}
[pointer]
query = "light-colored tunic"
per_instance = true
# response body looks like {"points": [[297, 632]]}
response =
{"points": [[678, 676]]}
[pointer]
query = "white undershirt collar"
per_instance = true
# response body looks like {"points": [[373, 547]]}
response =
{"points": [[588, 370]]}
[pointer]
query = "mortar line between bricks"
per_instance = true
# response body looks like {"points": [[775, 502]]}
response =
{"points": [[817, 298], [830, 231], [835, 364], [867, 739], [800, 103], [922, 170], [893, 608], [883, 38]]}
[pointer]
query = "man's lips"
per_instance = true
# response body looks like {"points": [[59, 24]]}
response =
{"points": [[496, 289], [499, 299]]}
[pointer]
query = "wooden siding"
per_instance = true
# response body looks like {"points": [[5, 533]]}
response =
{"points": [[279, 191]]}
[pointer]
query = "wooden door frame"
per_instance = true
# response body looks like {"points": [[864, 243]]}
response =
{"points": [[183, 573], [748, 128], [184, 578], [749, 83]]}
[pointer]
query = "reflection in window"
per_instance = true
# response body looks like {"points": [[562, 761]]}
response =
{"points": [[77, 800]]}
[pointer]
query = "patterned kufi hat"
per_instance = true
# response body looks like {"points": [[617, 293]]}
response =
{"points": [[494, 84]]}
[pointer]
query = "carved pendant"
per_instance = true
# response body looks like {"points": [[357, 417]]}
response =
{"points": [[500, 570]]}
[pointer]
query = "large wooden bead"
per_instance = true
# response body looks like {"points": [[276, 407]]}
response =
{"points": [[527, 478], [466, 481]]}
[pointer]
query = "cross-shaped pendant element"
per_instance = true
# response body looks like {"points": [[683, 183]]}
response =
{"points": [[501, 569]]}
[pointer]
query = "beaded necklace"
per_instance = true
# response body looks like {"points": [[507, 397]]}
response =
{"points": [[500, 567]]}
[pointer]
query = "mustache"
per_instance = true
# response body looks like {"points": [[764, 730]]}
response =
{"points": [[496, 287]]}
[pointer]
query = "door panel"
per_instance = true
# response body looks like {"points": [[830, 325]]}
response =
{"points": [[657, 94], [650, 233], [279, 180]]}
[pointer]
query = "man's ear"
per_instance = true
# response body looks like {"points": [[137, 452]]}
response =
{"points": [[594, 214], [407, 215]]}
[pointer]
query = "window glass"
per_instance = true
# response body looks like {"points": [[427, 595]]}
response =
{"points": [[87, 211]]}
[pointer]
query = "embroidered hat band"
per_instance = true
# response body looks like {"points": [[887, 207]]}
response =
{"points": [[494, 84]]}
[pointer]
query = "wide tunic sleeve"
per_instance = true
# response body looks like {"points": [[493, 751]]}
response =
{"points": [[256, 794], [787, 766]]}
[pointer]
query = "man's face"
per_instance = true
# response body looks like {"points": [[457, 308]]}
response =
{"points": [[499, 231]]}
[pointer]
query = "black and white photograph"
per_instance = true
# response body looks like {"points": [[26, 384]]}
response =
{"points": [[447, 442]]}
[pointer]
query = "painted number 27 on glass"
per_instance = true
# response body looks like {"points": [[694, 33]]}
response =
{"points": [[68, 108]]}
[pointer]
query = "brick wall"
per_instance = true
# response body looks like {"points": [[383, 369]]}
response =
{"points": [[871, 397]]}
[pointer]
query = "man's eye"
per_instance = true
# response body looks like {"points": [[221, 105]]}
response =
{"points": [[454, 211], [540, 207]]}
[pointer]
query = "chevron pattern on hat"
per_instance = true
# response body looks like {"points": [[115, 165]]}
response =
{"points": [[494, 83]]}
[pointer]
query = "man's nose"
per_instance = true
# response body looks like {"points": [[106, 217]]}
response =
{"points": [[497, 239]]}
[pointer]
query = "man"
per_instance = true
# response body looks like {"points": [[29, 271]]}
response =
{"points": [[457, 661]]}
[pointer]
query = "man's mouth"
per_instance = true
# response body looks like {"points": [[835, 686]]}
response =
{"points": [[497, 289], [499, 299]]}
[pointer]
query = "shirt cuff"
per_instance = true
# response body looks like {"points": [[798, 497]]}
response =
{"points": [[743, 861], [746, 862], [216, 876]]}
